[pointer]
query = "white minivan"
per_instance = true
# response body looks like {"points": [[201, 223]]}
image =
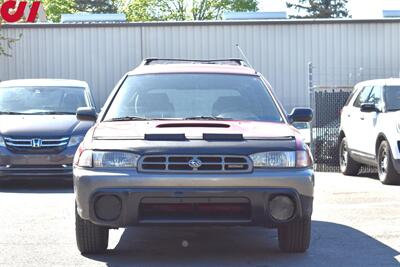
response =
{"points": [[370, 129]]}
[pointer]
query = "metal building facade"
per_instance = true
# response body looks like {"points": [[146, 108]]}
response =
{"points": [[343, 52]]}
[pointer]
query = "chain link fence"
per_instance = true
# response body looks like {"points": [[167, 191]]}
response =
{"points": [[327, 102]]}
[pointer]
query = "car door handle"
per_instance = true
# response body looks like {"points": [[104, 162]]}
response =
{"points": [[362, 118]]}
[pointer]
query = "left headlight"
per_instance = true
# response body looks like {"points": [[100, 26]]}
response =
{"points": [[2, 143], [282, 159], [75, 140], [274, 159]]}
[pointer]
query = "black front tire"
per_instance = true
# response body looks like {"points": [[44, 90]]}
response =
{"points": [[387, 172], [90, 238], [295, 237], [348, 166]]}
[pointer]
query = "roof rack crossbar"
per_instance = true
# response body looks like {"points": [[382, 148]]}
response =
{"points": [[238, 61]]}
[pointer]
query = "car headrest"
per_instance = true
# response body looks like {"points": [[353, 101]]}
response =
{"points": [[228, 104]]}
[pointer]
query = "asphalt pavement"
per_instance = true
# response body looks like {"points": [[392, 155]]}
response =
{"points": [[356, 222]]}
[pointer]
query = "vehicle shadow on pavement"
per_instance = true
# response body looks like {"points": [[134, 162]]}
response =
{"points": [[332, 245], [370, 175], [36, 187]]}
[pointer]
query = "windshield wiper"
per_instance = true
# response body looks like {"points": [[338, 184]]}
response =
{"points": [[12, 113], [137, 118], [53, 113], [129, 118], [214, 118]]}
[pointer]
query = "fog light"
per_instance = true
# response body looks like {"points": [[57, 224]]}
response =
{"points": [[282, 208], [108, 207]]}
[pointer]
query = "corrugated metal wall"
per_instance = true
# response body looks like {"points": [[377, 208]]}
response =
{"points": [[342, 52]]}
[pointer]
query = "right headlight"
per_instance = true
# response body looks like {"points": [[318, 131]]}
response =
{"points": [[282, 159], [75, 140], [2, 143], [108, 159]]}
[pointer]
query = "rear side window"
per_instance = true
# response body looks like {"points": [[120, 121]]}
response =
{"points": [[362, 96]]}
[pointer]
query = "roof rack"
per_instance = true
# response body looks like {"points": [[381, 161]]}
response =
{"points": [[229, 61]]}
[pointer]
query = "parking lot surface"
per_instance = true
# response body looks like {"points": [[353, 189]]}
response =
{"points": [[355, 223]]}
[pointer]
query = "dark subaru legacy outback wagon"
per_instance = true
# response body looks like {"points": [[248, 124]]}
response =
{"points": [[193, 143], [39, 132]]}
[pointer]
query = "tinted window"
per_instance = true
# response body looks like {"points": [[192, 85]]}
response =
{"points": [[33, 100], [181, 96], [362, 97], [392, 98]]}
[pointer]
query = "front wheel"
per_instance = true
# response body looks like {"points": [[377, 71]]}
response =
{"points": [[295, 236], [90, 238], [386, 170], [348, 166]]}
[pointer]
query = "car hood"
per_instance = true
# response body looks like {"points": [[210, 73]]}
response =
{"points": [[41, 125], [192, 129]]}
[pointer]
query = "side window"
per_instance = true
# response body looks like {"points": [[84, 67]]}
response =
{"points": [[375, 96], [363, 96]]}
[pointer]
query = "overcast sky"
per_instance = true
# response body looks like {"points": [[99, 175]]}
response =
{"points": [[359, 9]]}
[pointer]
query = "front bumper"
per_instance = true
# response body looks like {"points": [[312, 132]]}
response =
{"points": [[135, 189], [34, 166]]}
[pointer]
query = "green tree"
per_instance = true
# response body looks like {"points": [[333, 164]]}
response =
{"points": [[320, 8], [55, 8], [141, 10], [97, 6], [180, 10], [6, 42]]}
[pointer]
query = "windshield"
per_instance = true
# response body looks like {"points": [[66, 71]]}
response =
{"points": [[191, 96], [392, 97], [39, 100]]}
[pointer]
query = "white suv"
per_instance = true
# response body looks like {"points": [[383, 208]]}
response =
{"points": [[370, 129]]}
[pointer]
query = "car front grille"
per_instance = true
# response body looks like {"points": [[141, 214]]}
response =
{"points": [[36, 145], [195, 164]]}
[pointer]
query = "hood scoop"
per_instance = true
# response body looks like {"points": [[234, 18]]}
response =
{"points": [[165, 137], [223, 137], [182, 137], [193, 125]]}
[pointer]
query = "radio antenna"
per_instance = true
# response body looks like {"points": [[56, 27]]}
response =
{"points": [[244, 55]]}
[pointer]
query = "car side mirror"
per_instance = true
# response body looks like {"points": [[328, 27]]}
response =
{"points": [[301, 115], [369, 107], [86, 114]]}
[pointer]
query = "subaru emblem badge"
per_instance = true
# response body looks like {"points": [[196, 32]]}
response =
{"points": [[195, 163]]}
